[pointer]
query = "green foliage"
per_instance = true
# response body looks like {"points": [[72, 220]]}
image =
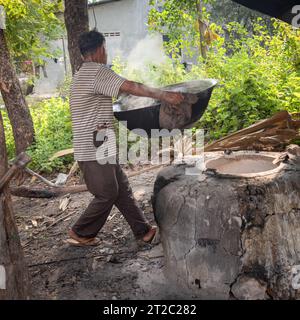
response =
{"points": [[177, 20], [64, 88], [260, 77], [10, 144], [258, 74], [53, 130], [31, 24]]}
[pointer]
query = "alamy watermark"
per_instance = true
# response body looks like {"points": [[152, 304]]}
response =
{"points": [[296, 19], [162, 146]]}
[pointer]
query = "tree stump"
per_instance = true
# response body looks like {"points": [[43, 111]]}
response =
{"points": [[232, 232]]}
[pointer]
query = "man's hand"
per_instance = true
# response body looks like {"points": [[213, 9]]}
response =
{"points": [[141, 90], [172, 97]]}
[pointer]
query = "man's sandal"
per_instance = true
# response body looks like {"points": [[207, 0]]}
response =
{"points": [[91, 243], [150, 235], [77, 241]]}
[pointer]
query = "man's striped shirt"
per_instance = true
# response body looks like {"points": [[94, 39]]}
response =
{"points": [[92, 89]]}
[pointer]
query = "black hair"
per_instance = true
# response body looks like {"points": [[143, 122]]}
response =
{"points": [[90, 41]]}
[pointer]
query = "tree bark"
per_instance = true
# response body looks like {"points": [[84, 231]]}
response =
{"points": [[77, 22], [13, 272], [14, 100]]}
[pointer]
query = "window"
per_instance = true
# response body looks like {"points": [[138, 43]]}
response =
{"points": [[112, 34]]}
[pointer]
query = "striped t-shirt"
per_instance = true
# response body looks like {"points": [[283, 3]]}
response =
{"points": [[92, 89]]}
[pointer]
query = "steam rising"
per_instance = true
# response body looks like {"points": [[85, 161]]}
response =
{"points": [[147, 55]]}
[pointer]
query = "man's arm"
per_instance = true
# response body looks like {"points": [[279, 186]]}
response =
{"points": [[138, 89]]}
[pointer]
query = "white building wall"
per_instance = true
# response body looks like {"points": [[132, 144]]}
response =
{"points": [[123, 23]]}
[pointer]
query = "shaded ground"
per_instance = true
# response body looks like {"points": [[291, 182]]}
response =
{"points": [[119, 268]]}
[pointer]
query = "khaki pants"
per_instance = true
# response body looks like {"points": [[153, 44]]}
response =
{"points": [[110, 186]]}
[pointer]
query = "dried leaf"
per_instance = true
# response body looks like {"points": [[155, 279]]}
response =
{"points": [[64, 203]]}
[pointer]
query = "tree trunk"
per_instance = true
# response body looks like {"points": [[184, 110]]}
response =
{"points": [[14, 100], [77, 22], [203, 47], [229, 233], [13, 272]]}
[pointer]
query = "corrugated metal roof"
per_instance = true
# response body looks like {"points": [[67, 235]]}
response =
{"points": [[99, 2]]}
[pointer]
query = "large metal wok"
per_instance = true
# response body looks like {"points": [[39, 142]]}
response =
{"points": [[147, 113]]}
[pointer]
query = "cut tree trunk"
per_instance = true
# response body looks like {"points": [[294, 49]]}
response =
{"points": [[14, 100], [14, 282], [233, 231], [77, 22]]}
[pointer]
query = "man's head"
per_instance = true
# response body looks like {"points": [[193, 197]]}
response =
{"points": [[92, 47]]}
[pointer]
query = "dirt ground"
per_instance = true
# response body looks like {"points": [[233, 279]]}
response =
{"points": [[119, 268]]}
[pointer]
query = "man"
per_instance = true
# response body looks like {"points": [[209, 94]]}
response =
{"points": [[92, 90]]}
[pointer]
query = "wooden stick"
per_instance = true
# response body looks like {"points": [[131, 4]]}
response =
{"points": [[84, 257], [60, 219], [47, 182], [72, 171], [20, 162]]}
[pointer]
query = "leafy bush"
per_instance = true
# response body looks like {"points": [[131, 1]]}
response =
{"points": [[260, 77], [64, 88], [53, 132], [258, 74]]}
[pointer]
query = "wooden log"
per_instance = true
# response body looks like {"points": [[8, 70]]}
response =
{"points": [[26, 192], [225, 237]]}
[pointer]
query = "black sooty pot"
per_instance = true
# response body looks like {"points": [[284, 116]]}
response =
{"points": [[147, 114]]}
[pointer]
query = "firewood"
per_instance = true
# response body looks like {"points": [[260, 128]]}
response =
{"points": [[271, 135]]}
